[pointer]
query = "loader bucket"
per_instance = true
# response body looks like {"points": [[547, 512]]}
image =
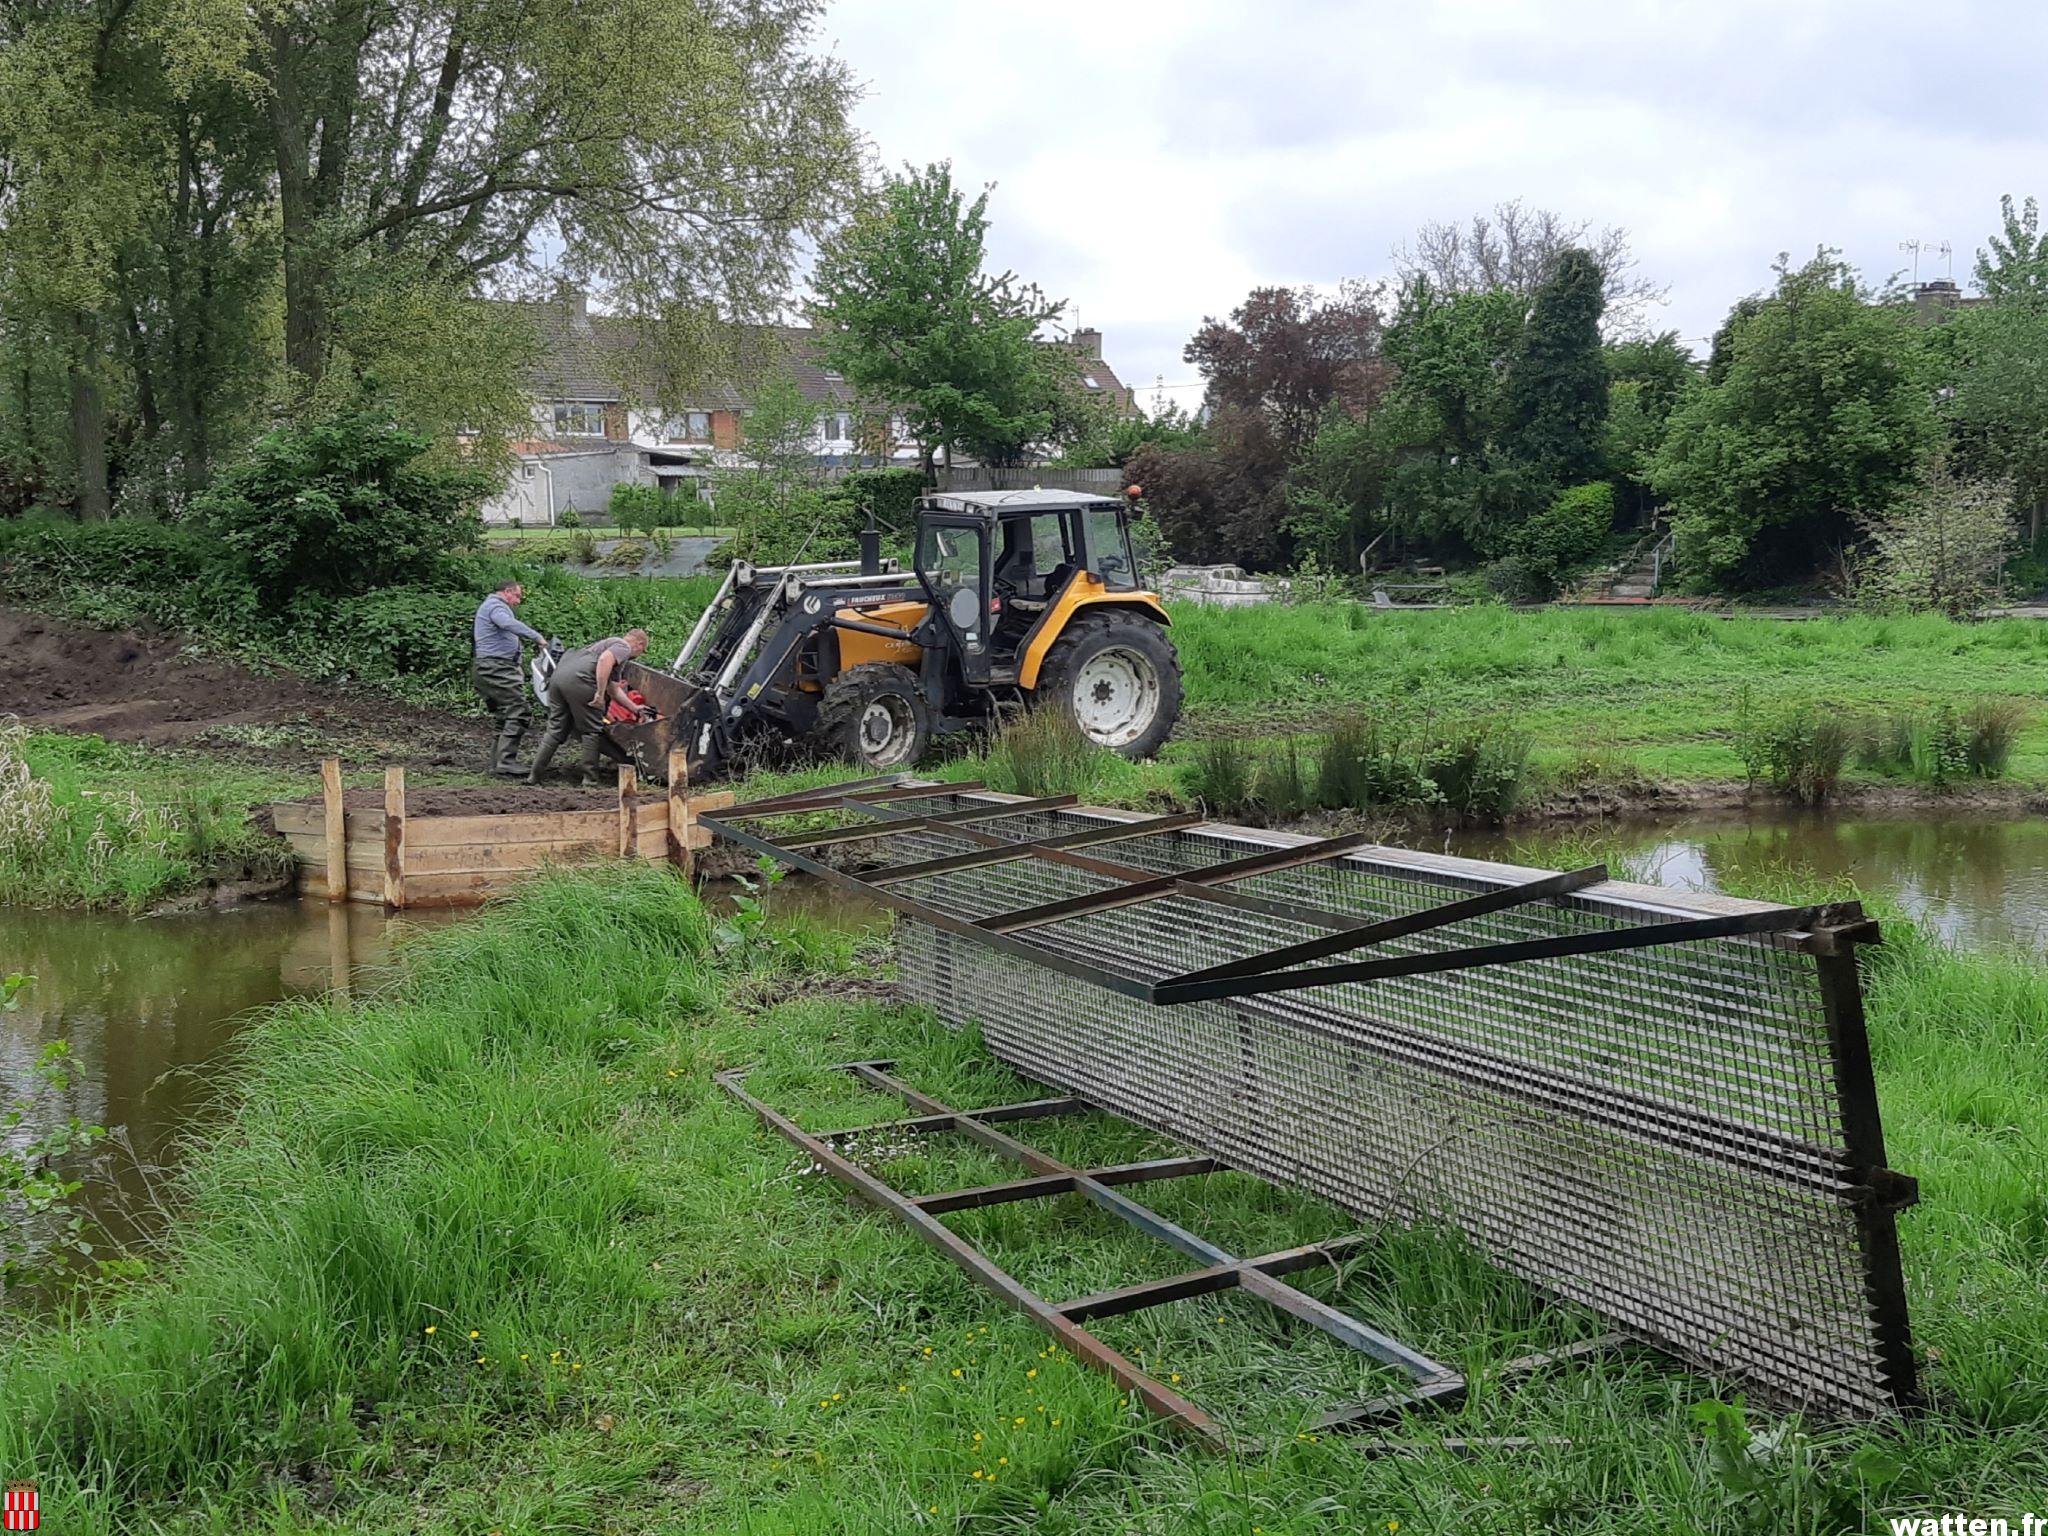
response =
{"points": [[684, 716]]}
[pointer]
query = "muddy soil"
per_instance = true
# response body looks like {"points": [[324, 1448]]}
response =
{"points": [[157, 690]]}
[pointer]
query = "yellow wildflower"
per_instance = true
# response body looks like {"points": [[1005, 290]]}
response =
{"points": [[1002, 1461], [430, 1327], [1032, 1374], [474, 1334], [956, 1370]]}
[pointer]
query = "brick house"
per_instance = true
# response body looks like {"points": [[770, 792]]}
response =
{"points": [[596, 423]]}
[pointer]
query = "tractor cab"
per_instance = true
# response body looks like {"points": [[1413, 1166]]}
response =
{"points": [[1004, 568]]}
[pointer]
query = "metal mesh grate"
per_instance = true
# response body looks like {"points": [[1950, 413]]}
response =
{"points": [[1666, 1135]]}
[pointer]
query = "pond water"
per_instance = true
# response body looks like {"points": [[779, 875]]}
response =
{"points": [[1980, 881], [147, 1005]]}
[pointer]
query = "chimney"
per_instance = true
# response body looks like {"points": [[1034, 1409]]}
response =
{"points": [[578, 300], [1088, 342]]}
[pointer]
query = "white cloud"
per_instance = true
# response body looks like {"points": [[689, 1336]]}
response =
{"points": [[1154, 161]]}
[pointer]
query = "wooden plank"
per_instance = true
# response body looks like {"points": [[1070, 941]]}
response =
{"points": [[459, 889], [652, 843], [394, 835], [470, 858], [527, 827], [629, 829], [290, 816], [678, 812], [335, 828]]}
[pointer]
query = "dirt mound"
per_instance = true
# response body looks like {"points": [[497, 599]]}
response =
{"points": [[511, 799], [157, 690]]}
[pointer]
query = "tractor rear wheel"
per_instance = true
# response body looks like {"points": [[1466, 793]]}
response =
{"points": [[875, 715], [1117, 677]]}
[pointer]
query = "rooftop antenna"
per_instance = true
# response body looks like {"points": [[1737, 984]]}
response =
{"points": [[1941, 248]]}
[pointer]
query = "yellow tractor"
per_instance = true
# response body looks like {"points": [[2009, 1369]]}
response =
{"points": [[1016, 600]]}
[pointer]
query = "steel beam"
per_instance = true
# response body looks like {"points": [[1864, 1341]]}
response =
{"points": [[1152, 888], [1006, 852], [1156, 1395], [865, 831]]}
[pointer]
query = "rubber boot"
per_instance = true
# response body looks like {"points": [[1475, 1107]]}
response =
{"points": [[545, 755], [507, 749], [593, 744]]}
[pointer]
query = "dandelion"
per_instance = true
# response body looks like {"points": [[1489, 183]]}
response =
{"points": [[1032, 1374], [577, 1366], [977, 1472], [1041, 1407], [1002, 1461], [1219, 1318], [836, 1396], [933, 1510], [977, 1437], [474, 1334], [956, 1370], [823, 1404], [480, 1360], [927, 1349], [1055, 1423], [1018, 1420], [430, 1327], [556, 1355], [902, 1386], [1175, 1376], [523, 1354], [1393, 1525]]}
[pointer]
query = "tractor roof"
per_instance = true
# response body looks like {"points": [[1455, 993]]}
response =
{"points": [[1006, 503]]}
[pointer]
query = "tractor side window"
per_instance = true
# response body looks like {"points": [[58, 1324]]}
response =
{"points": [[1049, 549], [1111, 549]]}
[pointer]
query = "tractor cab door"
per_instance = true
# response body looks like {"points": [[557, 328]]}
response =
{"points": [[954, 562]]}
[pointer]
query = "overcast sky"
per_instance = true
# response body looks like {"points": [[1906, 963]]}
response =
{"points": [[1153, 161]]}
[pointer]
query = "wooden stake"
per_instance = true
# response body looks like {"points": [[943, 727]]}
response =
{"points": [[679, 813], [394, 836], [629, 812], [337, 829]]}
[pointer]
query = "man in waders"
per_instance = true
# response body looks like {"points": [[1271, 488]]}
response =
{"points": [[495, 673], [577, 693]]}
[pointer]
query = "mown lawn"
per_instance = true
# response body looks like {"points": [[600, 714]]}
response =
{"points": [[491, 1252]]}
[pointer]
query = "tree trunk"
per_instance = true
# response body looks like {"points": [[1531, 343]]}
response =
{"points": [[89, 446]]}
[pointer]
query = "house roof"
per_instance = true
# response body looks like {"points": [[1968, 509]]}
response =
{"points": [[582, 356]]}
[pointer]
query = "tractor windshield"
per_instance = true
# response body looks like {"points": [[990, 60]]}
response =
{"points": [[1109, 548]]}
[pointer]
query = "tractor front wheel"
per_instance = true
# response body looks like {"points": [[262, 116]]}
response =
{"points": [[1117, 677], [875, 715]]}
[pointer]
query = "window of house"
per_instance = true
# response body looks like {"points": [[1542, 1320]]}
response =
{"points": [[1090, 380], [686, 427], [579, 418]]}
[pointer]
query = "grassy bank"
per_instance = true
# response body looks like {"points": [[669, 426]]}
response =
{"points": [[491, 1252], [89, 823]]}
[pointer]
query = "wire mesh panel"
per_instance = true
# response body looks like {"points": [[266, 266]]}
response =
{"points": [[1683, 1138]]}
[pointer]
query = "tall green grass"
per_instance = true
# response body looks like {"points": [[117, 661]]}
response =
{"points": [[521, 1142], [89, 823]]}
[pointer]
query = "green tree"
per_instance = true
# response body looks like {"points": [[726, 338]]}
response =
{"points": [[1647, 378], [1942, 545], [341, 505], [1997, 401], [776, 502], [1557, 385], [2015, 263], [1822, 413], [907, 313]]}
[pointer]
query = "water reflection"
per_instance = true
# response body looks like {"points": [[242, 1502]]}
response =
{"points": [[1980, 881], [147, 1004]]}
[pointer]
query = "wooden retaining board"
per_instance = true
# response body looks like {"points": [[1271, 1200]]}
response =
{"points": [[402, 860]]}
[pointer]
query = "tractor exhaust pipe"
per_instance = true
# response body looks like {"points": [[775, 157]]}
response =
{"points": [[871, 547]]}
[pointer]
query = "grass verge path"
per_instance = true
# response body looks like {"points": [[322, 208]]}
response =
{"points": [[491, 1252]]}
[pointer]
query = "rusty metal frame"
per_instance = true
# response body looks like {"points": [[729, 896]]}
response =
{"points": [[1433, 1382], [1284, 969]]}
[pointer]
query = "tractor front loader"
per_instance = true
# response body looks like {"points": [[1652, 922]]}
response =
{"points": [[1017, 599]]}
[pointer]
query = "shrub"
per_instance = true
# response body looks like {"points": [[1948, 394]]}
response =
{"points": [[891, 494], [569, 517], [1281, 788], [1478, 769], [341, 505], [1799, 748], [1943, 545], [1220, 779], [1043, 752], [399, 632], [1514, 579], [1990, 727], [583, 547], [1565, 534], [638, 508], [626, 555]]}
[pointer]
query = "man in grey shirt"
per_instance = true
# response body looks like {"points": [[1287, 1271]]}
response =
{"points": [[495, 672]]}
